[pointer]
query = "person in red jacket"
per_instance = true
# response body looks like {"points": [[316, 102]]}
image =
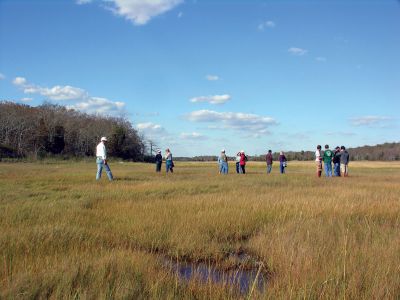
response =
{"points": [[243, 159]]}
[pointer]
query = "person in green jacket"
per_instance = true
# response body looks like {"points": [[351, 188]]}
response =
{"points": [[328, 156]]}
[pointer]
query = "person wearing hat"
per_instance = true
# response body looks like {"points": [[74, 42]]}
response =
{"points": [[158, 160], [101, 159], [223, 163], [269, 159]]}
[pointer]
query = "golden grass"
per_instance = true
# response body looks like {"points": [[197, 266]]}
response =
{"points": [[64, 235]]}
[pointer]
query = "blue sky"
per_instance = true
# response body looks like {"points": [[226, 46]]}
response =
{"points": [[199, 76]]}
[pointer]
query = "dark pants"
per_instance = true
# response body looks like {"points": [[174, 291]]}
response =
{"points": [[282, 168], [158, 166], [243, 169], [238, 167]]}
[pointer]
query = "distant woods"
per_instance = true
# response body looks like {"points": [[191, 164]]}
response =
{"points": [[383, 152], [53, 130]]}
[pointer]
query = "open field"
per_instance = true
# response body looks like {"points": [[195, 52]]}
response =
{"points": [[64, 235]]}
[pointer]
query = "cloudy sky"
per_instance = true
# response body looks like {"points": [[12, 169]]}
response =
{"points": [[201, 75]]}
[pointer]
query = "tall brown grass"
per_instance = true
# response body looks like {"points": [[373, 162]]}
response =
{"points": [[64, 235]]}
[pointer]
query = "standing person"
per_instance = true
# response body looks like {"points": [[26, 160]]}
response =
{"points": [[282, 162], [243, 159], [328, 157], [223, 163], [158, 161], [169, 163], [238, 169], [336, 162], [318, 160], [344, 161], [269, 159], [101, 159]]}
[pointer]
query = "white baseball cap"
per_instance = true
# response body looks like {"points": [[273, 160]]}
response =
{"points": [[223, 150], [103, 139]]}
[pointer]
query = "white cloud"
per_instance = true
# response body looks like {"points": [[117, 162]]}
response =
{"points": [[340, 133], [321, 59], [216, 99], [139, 12], [84, 102], [255, 125], [19, 81], [266, 24], [80, 2], [102, 106], [212, 77], [2, 76], [54, 93], [26, 99], [297, 51], [153, 131], [192, 136], [149, 126], [370, 120]]}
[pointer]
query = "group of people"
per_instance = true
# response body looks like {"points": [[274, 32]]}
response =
{"points": [[241, 159], [339, 158]]}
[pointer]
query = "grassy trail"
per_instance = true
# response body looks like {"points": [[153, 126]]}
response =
{"points": [[64, 235]]}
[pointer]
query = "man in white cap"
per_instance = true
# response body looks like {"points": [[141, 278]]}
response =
{"points": [[101, 159], [158, 160]]}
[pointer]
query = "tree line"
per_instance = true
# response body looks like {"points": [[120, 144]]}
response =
{"points": [[381, 152], [54, 130]]}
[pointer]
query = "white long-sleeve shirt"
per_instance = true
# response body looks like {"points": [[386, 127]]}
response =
{"points": [[318, 155], [101, 150]]}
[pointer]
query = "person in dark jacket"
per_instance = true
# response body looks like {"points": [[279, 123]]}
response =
{"points": [[336, 162], [158, 161], [282, 162], [344, 161], [268, 159]]}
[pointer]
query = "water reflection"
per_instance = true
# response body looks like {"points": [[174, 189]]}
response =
{"points": [[241, 278]]}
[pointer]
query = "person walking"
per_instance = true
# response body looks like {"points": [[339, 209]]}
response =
{"points": [[169, 163], [282, 162], [336, 162], [238, 169], [344, 161], [158, 160], [223, 163], [101, 159], [328, 157], [269, 160], [243, 160], [318, 160]]}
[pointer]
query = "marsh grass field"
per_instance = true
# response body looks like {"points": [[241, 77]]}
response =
{"points": [[64, 235]]}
